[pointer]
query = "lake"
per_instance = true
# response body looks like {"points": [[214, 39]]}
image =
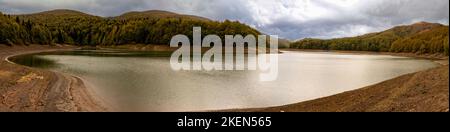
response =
{"points": [[144, 81]]}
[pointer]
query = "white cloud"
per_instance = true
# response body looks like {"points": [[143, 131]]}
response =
{"points": [[287, 18]]}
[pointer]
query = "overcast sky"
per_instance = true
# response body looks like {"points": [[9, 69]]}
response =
{"points": [[291, 19]]}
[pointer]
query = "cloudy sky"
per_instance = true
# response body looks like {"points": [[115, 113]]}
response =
{"points": [[291, 19]]}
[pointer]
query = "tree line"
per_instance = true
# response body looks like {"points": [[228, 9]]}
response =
{"points": [[92, 31], [402, 39]]}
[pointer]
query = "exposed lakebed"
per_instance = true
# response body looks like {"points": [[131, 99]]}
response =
{"points": [[144, 81]]}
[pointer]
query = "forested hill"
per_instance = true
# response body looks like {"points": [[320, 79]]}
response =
{"points": [[73, 27], [157, 14], [419, 38]]}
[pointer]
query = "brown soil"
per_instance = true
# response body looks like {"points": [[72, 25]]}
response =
{"points": [[166, 48], [423, 56], [31, 90], [140, 47]]}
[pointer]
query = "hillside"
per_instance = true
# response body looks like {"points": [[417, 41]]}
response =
{"points": [[404, 30], [283, 43], [77, 28], [419, 38], [59, 13], [56, 17], [9, 30], [157, 14]]}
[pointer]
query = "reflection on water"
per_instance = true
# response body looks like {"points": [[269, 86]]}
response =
{"points": [[144, 81]]}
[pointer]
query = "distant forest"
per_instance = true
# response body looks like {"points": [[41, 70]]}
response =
{"points": [[72, 27], [158, 27], [417, 38]]}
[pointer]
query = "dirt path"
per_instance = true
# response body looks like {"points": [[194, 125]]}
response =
{"points": [[29, 89]]}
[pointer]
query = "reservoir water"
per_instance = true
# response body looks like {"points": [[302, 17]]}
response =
{"points": [[144, 81]]}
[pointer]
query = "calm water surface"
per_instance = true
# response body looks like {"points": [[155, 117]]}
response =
{"points": [[144, 81]]}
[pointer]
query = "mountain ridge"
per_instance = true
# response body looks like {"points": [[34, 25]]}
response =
{"points": [[154, 14], [420, 37], [74, 27], [157, 14]]}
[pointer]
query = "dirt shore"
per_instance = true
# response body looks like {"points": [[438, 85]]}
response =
{"points": [[24, 89], [422, 56]]}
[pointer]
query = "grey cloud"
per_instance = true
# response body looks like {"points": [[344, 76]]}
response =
{"points": [[340, 21], [407, 11], [373, 15]]}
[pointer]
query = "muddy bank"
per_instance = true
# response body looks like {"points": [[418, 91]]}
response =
{"points": [[164, 48], [414, 55], [32, 90]]}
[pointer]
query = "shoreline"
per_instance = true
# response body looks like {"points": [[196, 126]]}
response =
{"points": [[78, 96], [412, 55], [29, 89]]}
